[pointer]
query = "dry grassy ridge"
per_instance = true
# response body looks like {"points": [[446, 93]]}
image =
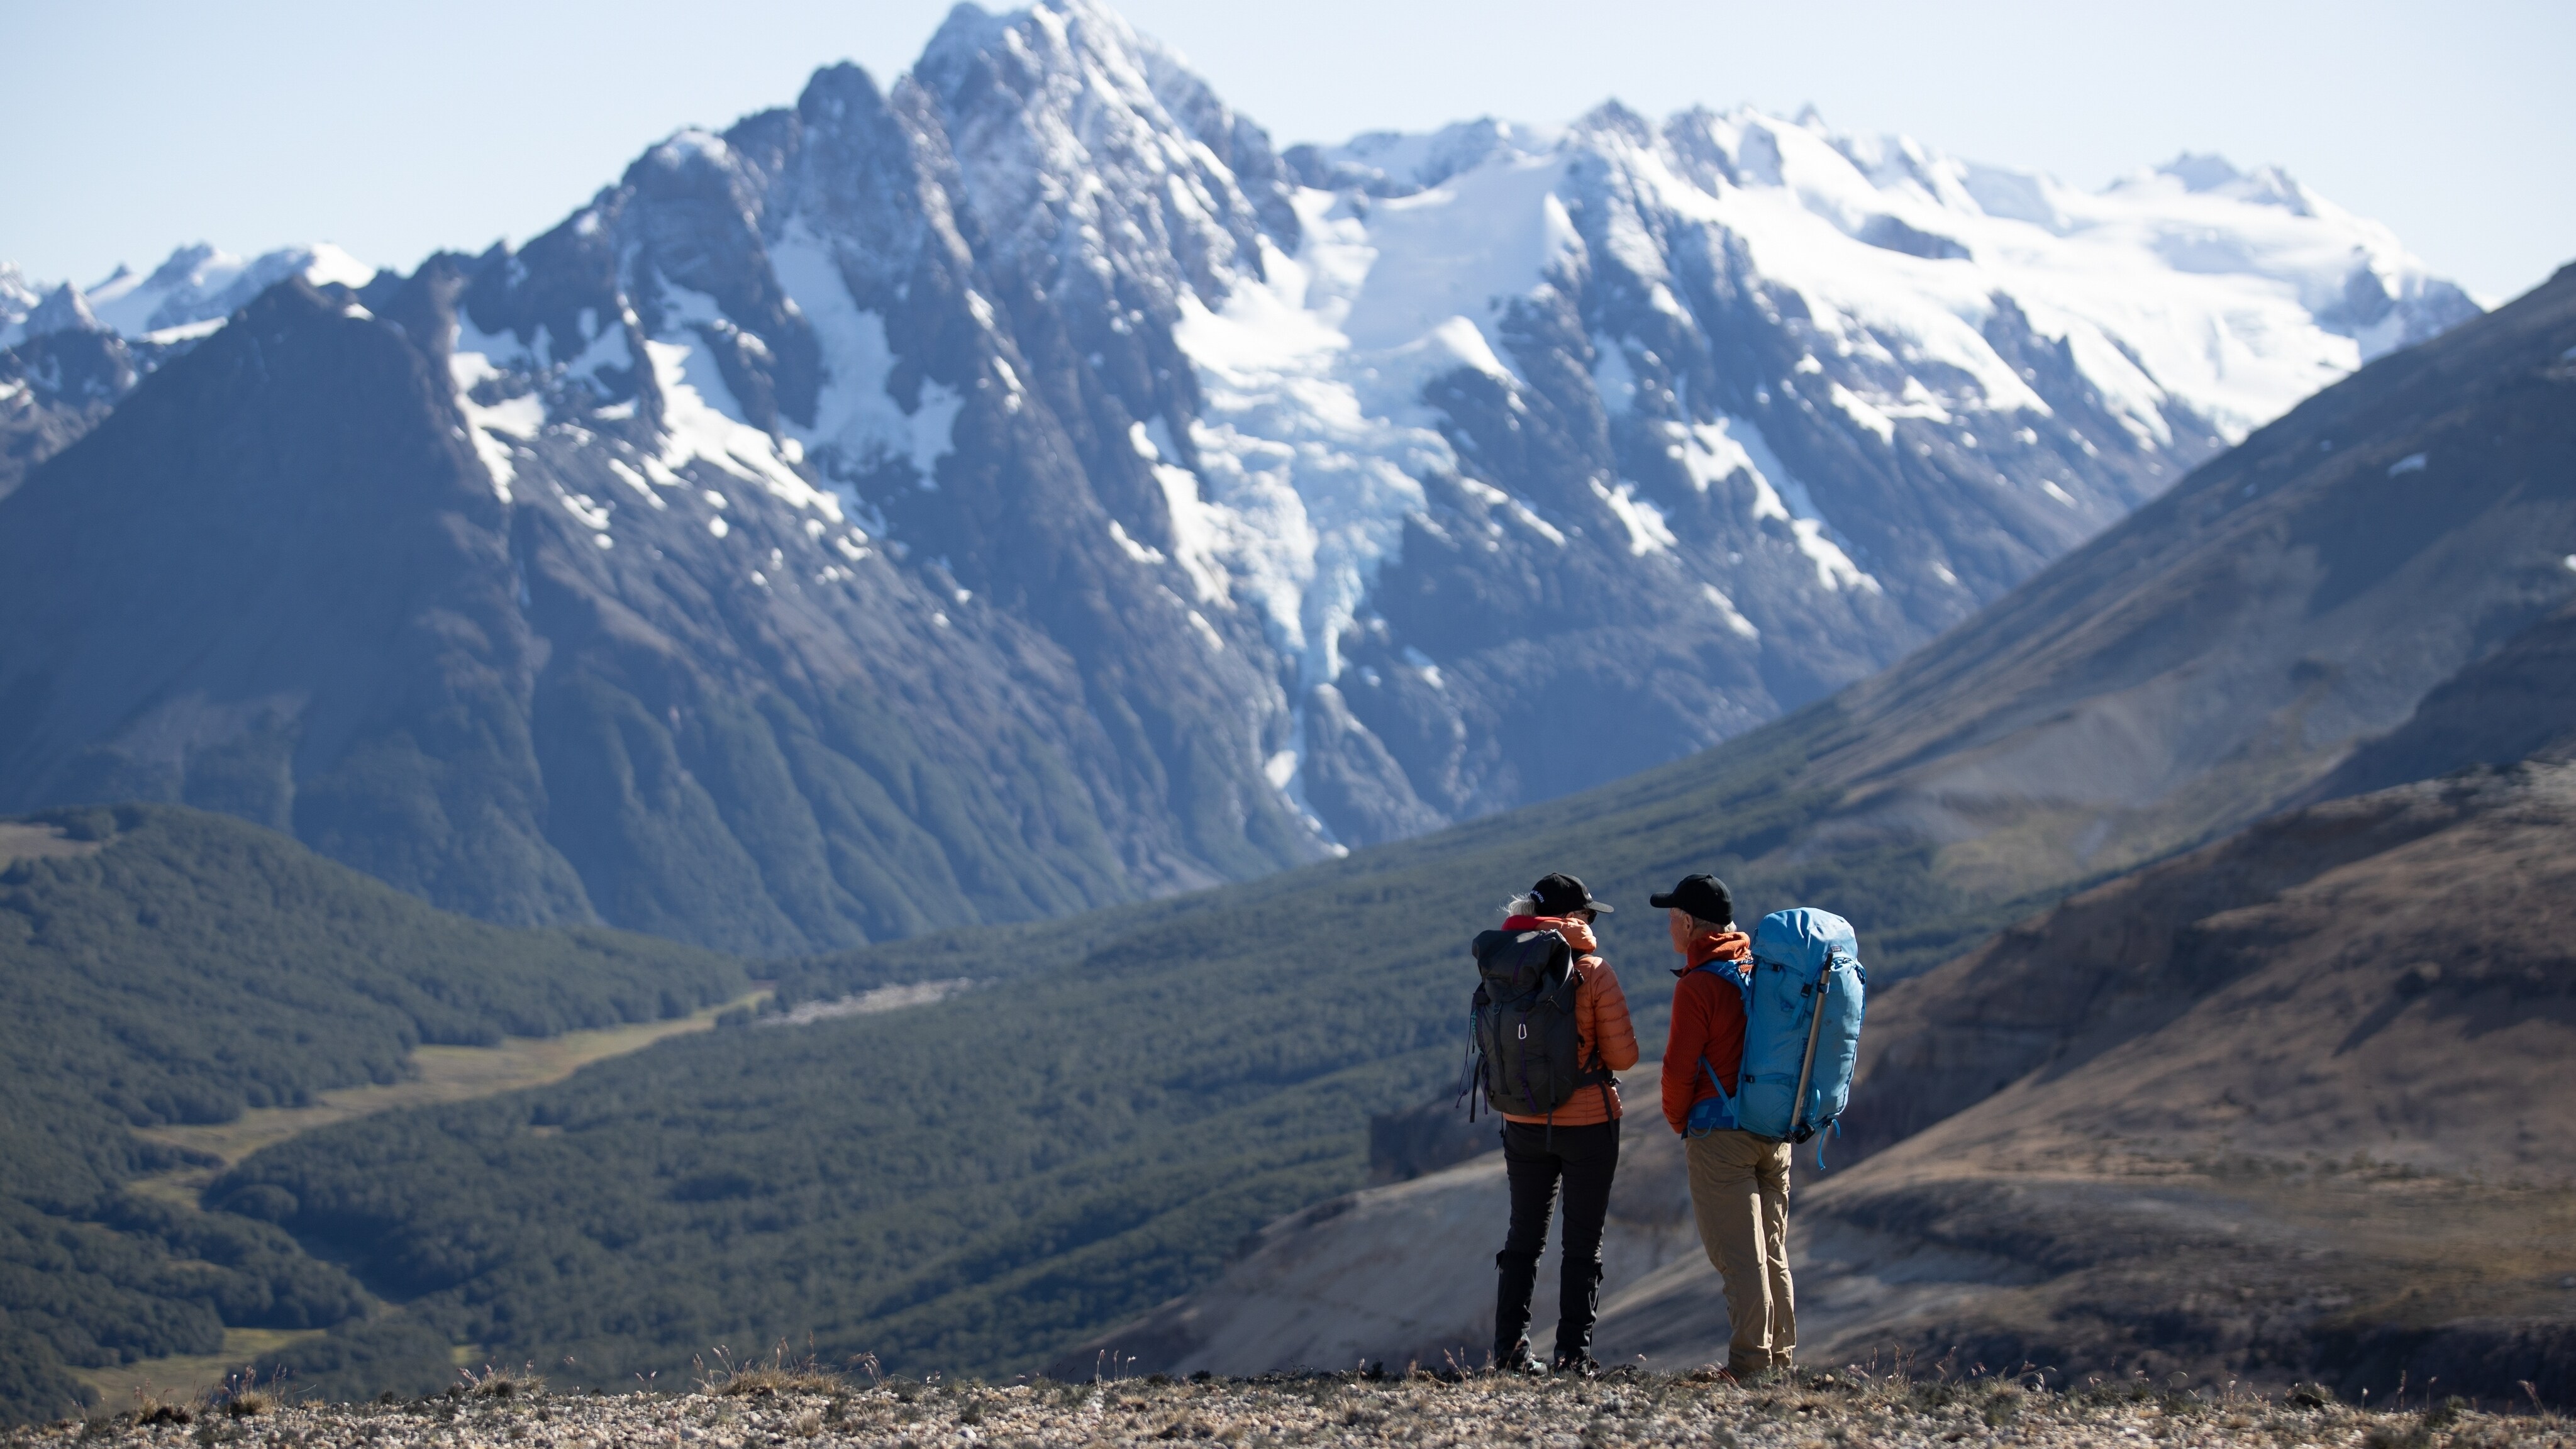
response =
{"points": [[770, 1409]]}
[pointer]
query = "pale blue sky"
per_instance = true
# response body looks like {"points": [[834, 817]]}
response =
{"points": [[395, 128]]}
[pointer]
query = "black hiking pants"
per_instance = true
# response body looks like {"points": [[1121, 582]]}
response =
{"points": [[1539, 1158]]}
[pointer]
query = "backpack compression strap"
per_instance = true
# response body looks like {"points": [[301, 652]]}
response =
{"points": [[1471, 1073], [1723, 1095]]}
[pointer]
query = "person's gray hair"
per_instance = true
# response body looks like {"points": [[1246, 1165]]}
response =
{"points": [[1521, 906]]}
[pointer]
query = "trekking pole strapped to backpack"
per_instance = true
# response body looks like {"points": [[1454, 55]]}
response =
{"points": [[1807, 1064]]}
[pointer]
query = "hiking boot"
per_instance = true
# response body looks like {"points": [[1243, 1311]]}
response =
{"points": [[1519, 1360], [1581, 1365]]}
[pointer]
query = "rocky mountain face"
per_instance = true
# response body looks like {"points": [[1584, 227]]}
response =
{"points": [[485, 704], [53, 388], [1021, 488]]}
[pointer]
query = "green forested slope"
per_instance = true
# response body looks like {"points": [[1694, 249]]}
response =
{"points": [[191, 967], [972, 1185]]}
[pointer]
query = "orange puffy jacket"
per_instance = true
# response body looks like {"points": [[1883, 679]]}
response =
{"points": [[1600, 1023]]}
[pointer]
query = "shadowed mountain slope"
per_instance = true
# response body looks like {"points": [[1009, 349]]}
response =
{"points": [[2258, 986], [2517, 703]]}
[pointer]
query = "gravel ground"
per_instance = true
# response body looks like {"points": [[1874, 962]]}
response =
{"points": [[769, 1409]]}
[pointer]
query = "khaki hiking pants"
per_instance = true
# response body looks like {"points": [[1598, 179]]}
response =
{"points": [[1739, 1186]]}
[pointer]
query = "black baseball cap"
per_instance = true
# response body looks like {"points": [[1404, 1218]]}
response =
{"points": [[1562, 895], [1704, 896]]}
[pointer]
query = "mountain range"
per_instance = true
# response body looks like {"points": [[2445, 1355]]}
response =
{"points": [[2111, 1080], [1022, 487]]}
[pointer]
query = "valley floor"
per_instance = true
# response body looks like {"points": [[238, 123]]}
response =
{"points": [[1841, 1410], [439, 1074]]}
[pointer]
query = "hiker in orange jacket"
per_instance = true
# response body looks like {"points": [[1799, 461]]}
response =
{"points": [[1739, 1183], [1577, 1145]]}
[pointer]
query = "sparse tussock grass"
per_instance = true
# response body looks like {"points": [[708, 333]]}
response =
{"points": [[780, 1375], [2002, 1405], [503, 1383]]}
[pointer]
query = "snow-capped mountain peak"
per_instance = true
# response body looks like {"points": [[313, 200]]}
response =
{"points": [[2209, 173], [198, 286], [1399, 163], [189, 295], [1082, 144], [62, 310], [18, 296]]}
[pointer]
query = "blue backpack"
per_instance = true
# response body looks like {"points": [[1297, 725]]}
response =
{"points": [[1802, 1011]]}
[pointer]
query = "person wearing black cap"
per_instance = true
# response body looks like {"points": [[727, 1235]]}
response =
{"points": [[1739, 1183], [1577, 1144]]}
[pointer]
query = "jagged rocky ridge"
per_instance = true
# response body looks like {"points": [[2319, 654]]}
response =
{"points": [[1020, 488]]}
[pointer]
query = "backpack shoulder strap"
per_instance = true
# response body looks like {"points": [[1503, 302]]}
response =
{"points": [[1725, 971]]}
